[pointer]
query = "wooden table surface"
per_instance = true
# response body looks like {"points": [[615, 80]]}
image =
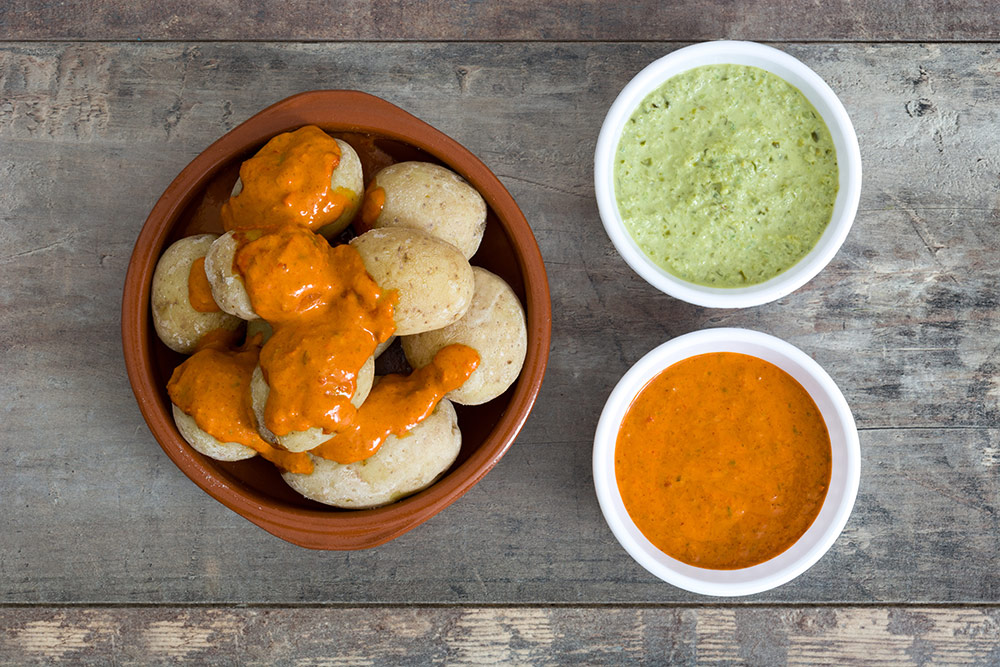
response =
{"points": [[109, 554]]}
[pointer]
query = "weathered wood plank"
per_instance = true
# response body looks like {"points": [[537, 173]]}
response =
{"points": [[905, 320], [517, 20], [504, 635]]}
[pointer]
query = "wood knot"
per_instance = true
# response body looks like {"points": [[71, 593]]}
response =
{"points": [[465, 73], [921, 107]]}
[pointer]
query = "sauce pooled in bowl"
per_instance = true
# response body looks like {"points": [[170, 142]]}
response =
{"points": [[723, 461], [726, 176]]}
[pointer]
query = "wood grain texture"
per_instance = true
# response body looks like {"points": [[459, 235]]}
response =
{"points": [[507, 635], [905, 319], [517, 20]]}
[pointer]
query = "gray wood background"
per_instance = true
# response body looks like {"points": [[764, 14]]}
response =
{"points": [[94, 125]]}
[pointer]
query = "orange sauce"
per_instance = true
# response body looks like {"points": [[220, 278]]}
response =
{"points": [[723, 461], [400, 402], [213, 387], [327, 314], [371, 208], [199, 289], [288, 183]]}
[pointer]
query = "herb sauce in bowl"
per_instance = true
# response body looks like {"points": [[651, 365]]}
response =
{"points": [[726, 175]]}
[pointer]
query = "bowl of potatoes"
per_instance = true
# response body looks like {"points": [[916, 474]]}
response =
{"points": [[336, 320]]}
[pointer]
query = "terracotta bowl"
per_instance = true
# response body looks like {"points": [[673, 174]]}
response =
{"points": [[382, 133]]}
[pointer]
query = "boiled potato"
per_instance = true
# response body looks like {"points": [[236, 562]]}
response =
{"points": [[300, 441], [347, 179], [207, 444], [432, 199], [433, 279], [178, 325], [228, 288], [401, 466], [494, 326]]}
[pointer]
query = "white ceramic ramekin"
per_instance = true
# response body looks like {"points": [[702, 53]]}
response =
{"points": [[816, 91], [844, 478]]}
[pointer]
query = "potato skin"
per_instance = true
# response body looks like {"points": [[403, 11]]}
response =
{"points": [[348, 179], [401, 466], [228, 288], [494, 326], [433, 279], [178, 325], [435, 200], [206, 444], [301, 441]]}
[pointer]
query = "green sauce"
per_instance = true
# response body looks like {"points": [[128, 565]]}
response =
{"points": [[726, 175]]}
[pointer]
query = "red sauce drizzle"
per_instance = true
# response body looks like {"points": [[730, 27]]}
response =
{"points": [[199, 289], [371, 208], [723, 461], [213, 387], [328, 315], [400, 402], [288, 183]]}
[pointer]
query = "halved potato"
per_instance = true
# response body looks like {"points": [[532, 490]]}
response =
{"points": [[228, 287]]}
